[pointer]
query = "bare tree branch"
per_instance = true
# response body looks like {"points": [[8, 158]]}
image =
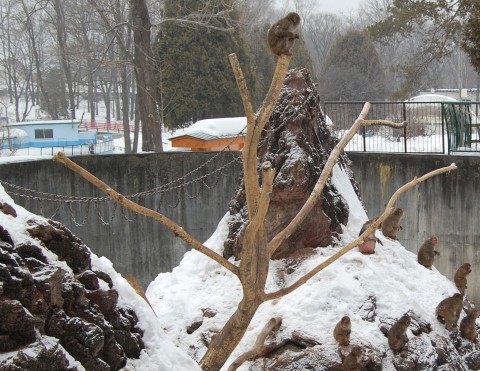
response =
{"points": [[272, 325], [120, 199]]}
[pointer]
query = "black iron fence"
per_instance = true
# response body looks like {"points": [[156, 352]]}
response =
{"points": [[433, 127]]}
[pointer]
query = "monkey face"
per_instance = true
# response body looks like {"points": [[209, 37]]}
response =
{"points": [[294, 18]]}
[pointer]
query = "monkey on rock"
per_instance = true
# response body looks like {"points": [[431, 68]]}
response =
{"points": [[283, 33]]}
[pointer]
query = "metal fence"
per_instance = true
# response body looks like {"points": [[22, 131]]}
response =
{"points": [[99, 148], [433, 127]]}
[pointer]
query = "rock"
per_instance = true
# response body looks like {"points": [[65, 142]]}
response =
{"points": [[297, 142], [17, 326], [51, 314], [473, 360]]}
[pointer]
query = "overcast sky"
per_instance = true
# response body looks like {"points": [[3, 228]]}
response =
{"points": [[330, 6], [334, 6]]}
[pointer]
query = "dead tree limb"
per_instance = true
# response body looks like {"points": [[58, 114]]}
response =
{"points": [[122, 200], [272, 325], [388, 210]]}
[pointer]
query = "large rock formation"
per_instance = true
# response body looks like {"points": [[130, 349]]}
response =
{"points": [[56, 311], [297, 141]]}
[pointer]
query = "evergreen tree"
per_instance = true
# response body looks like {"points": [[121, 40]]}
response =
{"points": [[194, 73], [352, 70], [471, 40]]}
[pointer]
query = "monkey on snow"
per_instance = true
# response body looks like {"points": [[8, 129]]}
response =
{"points": [[449, 309], [342, 331], [282, 34], [391, 225], [468, 326], [397, 337], [352, 362], [368, 245], [426, 253], [460, 277]]}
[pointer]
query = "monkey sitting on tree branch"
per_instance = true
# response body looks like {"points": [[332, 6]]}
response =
{"points": [[283, 33], [252, 269]]}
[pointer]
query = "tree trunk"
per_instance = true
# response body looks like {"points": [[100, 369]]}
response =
{"points": [[125, 116], [62, 44], [145, 76], [227, 340]]}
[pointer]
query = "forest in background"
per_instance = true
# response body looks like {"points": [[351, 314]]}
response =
{"points": [[165, 62]]}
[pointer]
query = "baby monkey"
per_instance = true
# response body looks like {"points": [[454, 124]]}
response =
{"points": [[460, 277], [468, 326], [353, 362], [397, 337], [282, 34], [342, 331], [391, 225], [426, 253]]}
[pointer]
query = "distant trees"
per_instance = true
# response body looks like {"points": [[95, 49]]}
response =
{"points": [[192, 61], [353, 70], [432, 30]]}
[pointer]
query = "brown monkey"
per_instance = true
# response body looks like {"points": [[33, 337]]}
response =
{"points": [[397, 337], [460, 277], [282, 34], [342, 331], [468, 327], [368, 245], [449, 309], [353, 362], [426, 253], [391, 224]]}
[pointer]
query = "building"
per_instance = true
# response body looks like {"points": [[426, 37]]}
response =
{"points": [[54, 133], [212, 135]]}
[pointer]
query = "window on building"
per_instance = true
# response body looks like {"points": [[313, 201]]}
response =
{"points": [[43, 133]]}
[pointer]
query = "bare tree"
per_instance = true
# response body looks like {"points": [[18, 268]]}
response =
{"points": [[257, 250]]}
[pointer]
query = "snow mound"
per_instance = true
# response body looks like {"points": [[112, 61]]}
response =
{"points": [[392, 277]]}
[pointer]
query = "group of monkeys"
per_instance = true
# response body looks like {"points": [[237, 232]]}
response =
{"points": [[448, 310]]}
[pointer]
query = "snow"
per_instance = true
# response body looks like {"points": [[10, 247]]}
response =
{"points": [[221, 127]]}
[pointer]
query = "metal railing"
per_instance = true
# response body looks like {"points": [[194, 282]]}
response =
{"points": [[69, 150], [427, 130]]}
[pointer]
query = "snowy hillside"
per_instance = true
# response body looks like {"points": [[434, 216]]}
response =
{"points": [[392, 279], [159, 353]]}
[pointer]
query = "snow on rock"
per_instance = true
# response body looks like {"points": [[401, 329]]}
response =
{"points": [[64, 308], [371, 289]]}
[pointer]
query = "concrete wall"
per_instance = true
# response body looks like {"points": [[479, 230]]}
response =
{"points": [[447, 206], [135, 244]]}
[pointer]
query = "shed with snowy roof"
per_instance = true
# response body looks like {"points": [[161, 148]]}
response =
{"points": [[212, 135]]}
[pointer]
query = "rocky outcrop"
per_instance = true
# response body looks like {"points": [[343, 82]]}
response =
{"points": [[56, 311], [297, 142]]}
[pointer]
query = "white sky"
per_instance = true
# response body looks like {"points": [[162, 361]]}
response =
{"points": [[330, 6], [334, 6]]}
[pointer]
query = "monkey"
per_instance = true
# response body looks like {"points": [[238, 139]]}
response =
{"points": [[342, 331], [282, 34], [460, 277], [449, 309], [426, 253], [368, 245], [397, 337], [468, 327], [391, 224], [352, 362]]}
